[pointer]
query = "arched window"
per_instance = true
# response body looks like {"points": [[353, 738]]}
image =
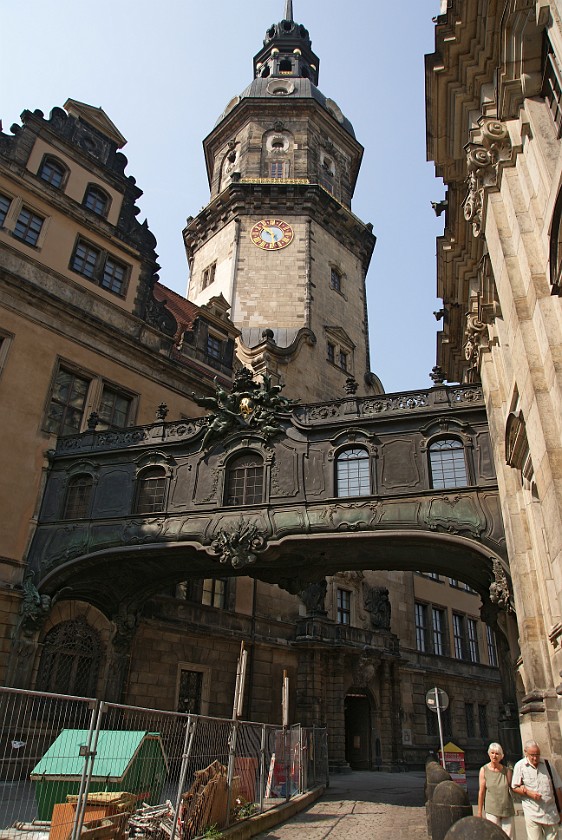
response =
{"points": [[151, 490], [96, 199], [244, 481], [352, 473], [448, 464], [77, 502], [53, 171], [70, 659]]}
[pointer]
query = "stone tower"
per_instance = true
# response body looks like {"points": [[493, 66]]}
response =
{"points": [[278, 239]]}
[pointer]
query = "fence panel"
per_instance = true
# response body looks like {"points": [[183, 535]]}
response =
{"points": [[75, 768]]}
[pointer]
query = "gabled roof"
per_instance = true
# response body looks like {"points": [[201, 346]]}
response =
{"points": [[97, 118], [184, 311]]}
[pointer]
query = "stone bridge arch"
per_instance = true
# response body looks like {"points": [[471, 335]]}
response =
{"points": [[303, 528]]}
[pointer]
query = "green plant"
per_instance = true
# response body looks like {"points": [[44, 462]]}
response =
{"points": [[246, 809], [212, 833]]}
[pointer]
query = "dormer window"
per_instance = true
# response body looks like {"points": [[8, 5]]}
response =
{"points": [[96, 200], [52, 171]]}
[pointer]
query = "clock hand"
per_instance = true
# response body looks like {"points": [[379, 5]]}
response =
{"points": [[271, 234]]}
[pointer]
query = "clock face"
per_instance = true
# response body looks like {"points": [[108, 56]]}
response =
{"points": [[272, 234]]}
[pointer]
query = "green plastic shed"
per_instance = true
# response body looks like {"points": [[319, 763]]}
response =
{"points": [[125, 761]]}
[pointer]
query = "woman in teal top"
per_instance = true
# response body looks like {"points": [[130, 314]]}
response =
{"points": [[494, 797]]}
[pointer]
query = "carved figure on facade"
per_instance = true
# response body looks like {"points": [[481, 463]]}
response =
{"points": [[248, 406], [377, 604], [314, 596], [34, 607], [499, 588], [239, 546], [483, 160], [475, 333], [364, 669]]}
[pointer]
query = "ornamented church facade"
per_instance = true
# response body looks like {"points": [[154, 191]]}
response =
{"points": [[349, 537]]}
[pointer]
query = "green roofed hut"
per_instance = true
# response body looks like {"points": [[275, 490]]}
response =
{"points": [[125, 761]]}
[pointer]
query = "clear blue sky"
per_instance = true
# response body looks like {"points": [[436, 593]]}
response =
{"points": [[163, 72]]}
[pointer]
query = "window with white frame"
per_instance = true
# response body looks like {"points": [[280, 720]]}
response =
{"points": [[458, 636], [472, 638], [353, 472], [439, 631]]}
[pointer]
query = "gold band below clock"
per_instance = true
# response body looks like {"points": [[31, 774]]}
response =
{"points": [[272, 234]]}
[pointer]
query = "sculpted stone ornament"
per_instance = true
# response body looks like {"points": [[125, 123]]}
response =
{"points": [[313, 597], [239, 546], [377, 604], [34, 607], [483, 160], [499, 588], [475, 332], [250, 406]]}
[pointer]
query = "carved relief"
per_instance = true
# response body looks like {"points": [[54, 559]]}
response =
{"points": [[483, 161], [377, 604], [364, 669], [475, 334], [313, 597], [240, 545], [499, 588]]}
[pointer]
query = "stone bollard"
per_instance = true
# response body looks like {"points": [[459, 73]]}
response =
{"points": [[434, 774], [474, 828], [449, 804]]}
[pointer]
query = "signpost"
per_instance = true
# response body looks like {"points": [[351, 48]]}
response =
{"points": [[438, 700]]}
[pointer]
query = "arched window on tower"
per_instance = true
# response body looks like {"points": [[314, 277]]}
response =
{"points": [[352, 472], [151, 490], [70, 659], [245, 480], [96, 199], [447, 464]]}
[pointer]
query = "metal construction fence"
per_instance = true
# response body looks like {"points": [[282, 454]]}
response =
{"points": [[75, 767]]}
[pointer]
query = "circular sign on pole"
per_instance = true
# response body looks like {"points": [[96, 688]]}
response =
{"points": [[437, 699]]}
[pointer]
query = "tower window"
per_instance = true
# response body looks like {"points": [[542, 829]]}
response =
{"points": [[214, 348], [448, 464], [244, 485], [352, 473], [335, 280], [552, 85], [331, 353], [286, 66], [53, 172], [208, 275], [277, 169], [343, 360]]}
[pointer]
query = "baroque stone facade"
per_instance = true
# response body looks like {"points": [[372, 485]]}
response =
{"points": [[496, 143]]}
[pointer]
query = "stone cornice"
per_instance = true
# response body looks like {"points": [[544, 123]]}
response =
{"points": [[255, 199]]}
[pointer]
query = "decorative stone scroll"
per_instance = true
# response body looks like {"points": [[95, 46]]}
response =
{"points": [[483, 161], [475, 333]]}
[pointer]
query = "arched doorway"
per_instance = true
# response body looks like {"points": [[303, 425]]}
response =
{"points": [[359, 736]]}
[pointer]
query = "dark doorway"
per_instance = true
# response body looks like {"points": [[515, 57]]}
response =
{"points": [[358, 729]]}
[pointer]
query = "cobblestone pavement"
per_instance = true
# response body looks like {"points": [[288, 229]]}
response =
{"points": [[361, 806]]}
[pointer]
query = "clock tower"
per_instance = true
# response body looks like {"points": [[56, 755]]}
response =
{"points": [[278, 239]]}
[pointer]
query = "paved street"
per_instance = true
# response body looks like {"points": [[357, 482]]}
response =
{"points": [[369, 806], [362, 805]]}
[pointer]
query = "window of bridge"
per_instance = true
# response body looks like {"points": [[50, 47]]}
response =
{"points": [[352, 472], [245, 480], [78, 494], [448, 464], [151, 490], [70, 659]]}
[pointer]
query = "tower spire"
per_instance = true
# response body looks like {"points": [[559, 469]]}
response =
{"points": [[288, 10]]}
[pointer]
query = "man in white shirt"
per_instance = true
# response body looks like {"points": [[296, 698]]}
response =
{"points": [[540, 795]]}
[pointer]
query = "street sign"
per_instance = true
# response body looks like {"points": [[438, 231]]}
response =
{"points": [[437, 699]]}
